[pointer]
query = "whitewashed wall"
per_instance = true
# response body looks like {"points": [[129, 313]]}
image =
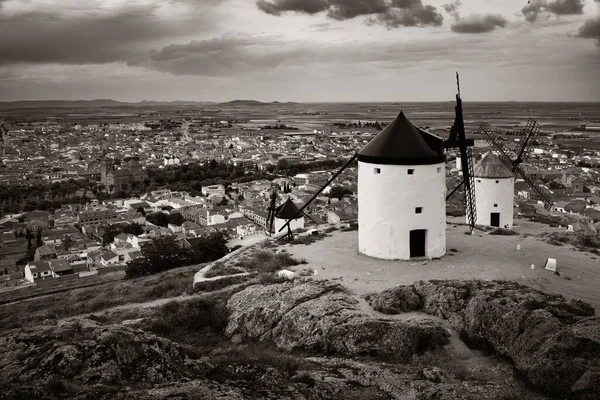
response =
{"points": [[494, 191], [294, 225], [386, 209]]}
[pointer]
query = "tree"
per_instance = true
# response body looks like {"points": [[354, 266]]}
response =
{"points": [[164, 253], [175, 219], [339, 192], [158, 218], [141, 210], [241, 197], [29, 236], [109, 234], [67, 242], [283, 164], [161, 254], [209, 248], [134, 229], [39, 241]]}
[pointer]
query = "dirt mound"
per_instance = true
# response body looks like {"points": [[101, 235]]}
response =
{"points": [[554, 343]]}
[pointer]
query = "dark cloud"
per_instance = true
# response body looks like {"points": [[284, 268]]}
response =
{"points": [[419, 16], [452, 8], [93, 37], [479, 23], [590, 29], [301, 6], [348, 9], [552, 7], [248, 55], [390, 13], [225, 56]]}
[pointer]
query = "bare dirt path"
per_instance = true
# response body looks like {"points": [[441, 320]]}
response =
{"points": [[479, 256]]}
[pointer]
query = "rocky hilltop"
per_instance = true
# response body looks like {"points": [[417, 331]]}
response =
{"points": [[313, 340], [320, 317], [553, 343]]}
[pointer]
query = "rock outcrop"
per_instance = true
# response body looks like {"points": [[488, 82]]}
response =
{"points": [[90, 353], [84, 359], [320, 317], [553, 343]]}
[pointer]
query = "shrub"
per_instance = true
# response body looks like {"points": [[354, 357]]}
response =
{"points": [[503, 232], [264, 261], [270, 279], [583, 241], [164, 253], [306, 240], [192, 316], [262, 355]]}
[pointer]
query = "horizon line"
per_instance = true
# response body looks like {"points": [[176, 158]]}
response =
{"points": [[299, 102]]}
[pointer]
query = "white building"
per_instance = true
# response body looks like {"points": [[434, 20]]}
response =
{"points": [[213, 189], [494, 192], [402, 194]]}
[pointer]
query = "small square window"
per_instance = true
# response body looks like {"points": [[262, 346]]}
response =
{"points": [[497, 181], [439, 169], [411, 171], [377, 170], [495, 205], [478, 180], [418, 210]]}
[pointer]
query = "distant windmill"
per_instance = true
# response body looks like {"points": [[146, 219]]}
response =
{"points": [[512, 160]]}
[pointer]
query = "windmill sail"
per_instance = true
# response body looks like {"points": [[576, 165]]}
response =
{"points": [[457, 139], [531, 131]]}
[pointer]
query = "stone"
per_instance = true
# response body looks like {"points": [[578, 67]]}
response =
{"points": [[319, 316], [554, 343], [550, 265]]}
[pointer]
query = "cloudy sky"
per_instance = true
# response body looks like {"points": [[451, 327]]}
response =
{"points": [[300, 50]]}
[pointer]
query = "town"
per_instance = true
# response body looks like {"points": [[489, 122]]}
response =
{"points": [[80, 200]]}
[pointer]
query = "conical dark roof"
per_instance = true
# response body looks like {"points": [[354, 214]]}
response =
{"points": [[402, 143], [490, 166], [287, 210]]}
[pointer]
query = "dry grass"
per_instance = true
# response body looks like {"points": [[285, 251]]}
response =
{"points": [[218, 284], [267, 261], [221, 269], [97, 298], [583, 241]]}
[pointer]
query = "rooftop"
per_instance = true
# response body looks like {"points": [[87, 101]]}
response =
{"points": [[490, 166]]}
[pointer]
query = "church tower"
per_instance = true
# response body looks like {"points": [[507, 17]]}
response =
{"points": [[494, 192], [105, 167], [402, 194]]}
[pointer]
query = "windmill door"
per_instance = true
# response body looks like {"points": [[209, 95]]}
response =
{"points": [[495, 219], [417, 243]]}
